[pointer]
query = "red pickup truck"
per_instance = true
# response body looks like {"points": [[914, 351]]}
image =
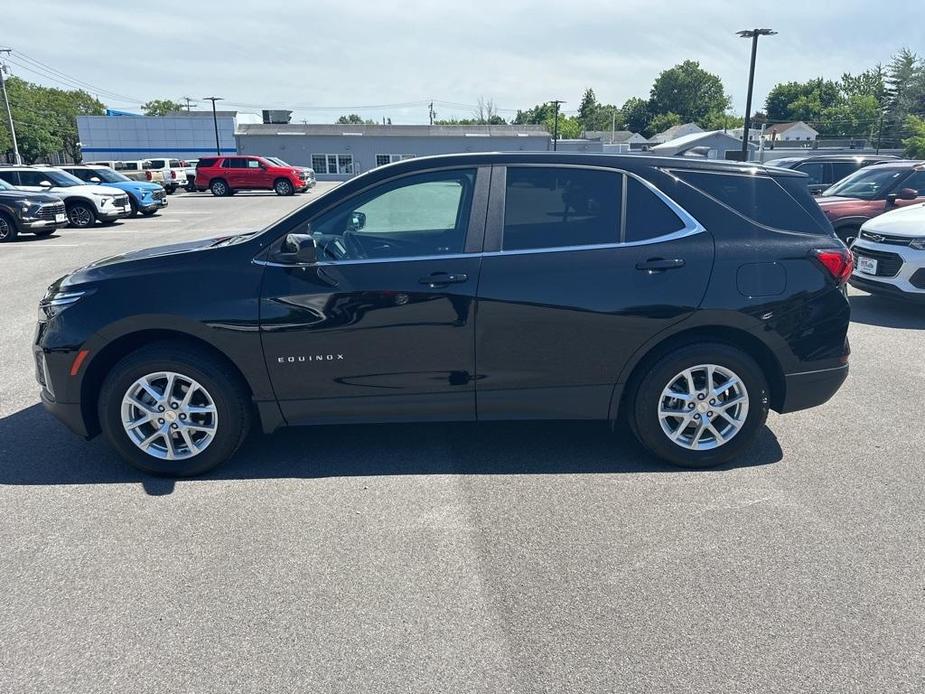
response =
{"points": [[870, 192], [227, 174]]}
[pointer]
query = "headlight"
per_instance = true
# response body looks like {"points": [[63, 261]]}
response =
{"points": [[53, 304], [918, 244]]}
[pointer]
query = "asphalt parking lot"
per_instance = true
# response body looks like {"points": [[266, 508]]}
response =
{"points": [[449, 558]]}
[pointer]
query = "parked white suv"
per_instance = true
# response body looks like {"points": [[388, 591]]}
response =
{"points": [[889, 254], [85, 203]]}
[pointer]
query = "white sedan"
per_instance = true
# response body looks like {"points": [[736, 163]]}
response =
{"points": [[889, 254]]}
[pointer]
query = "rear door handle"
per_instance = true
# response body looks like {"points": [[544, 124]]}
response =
{"points": [[441, 279], [660, 264]]}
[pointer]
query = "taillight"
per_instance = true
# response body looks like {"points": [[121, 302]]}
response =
{"points": [[148, 175], [173, 174], [838, 261]]}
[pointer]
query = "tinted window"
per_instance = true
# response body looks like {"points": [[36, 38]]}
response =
{"points": [[10, 177], [419, 215], [234, 164], [205, 162], [868, 184], [555, 207], [916, 181], [82, 174], [647, 216], [33, 178], [815, 170], [840, 169], [758, 198], [175, 163]]}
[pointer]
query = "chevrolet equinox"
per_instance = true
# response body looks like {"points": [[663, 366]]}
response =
{"points": [[683, 296]]}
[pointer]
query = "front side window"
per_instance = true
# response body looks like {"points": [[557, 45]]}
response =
{"points": [[421, 215], [815, 170], [867, 184], [840, 169], [916, 181], [548, 207], [252, 163]]}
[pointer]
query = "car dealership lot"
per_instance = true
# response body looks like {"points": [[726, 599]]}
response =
{"points": [[500, 557]]}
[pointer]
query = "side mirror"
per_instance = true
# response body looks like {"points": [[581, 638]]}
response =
{"points": [[903, 194], [298, 249], [45, 184], [357, 221], [94, 179]]}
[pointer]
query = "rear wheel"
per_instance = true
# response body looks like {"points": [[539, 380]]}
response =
{"points": [[700, 405], [283, 187], [171, 409], [8, 231], [81, 215], [219, 188]]}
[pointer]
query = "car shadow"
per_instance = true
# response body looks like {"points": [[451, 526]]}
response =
{"points": [[886, 312], [35, 449]]}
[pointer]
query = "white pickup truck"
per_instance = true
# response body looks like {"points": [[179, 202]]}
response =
{"points": [[173, 171]]}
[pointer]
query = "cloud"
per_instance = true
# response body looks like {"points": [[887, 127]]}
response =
{"points": [[334, 53]]}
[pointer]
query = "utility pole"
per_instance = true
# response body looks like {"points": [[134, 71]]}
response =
{"points": [[9, 113], [555, 129], [189, 102], [213, 99], [880, 130], [752, 34], [613, 125], [432, 113]]}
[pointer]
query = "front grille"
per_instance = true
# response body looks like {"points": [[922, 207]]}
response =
{"points": [[120, 201], [888, 264], [159, 194], [886, 238], [50, 210], [918, 279]]}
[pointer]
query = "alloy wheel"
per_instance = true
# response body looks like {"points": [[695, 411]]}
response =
{"points": [[169, 416], [5, 229], [703, 407], [80, 216]]}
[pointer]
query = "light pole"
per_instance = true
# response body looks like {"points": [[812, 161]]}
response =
{"points": [[752, 34], [213, 99], [9, 114], [555, 127]]}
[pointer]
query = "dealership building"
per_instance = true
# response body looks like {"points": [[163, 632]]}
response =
{"points": [[338, 152]]}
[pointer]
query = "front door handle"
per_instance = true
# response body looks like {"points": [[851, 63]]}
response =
{"points": [[660, 264], [441, 279]]}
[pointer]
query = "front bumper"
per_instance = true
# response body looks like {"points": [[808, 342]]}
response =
{"points": [[69, 413], [812, 388], [910, 261], [42, 223], [114, 213]]}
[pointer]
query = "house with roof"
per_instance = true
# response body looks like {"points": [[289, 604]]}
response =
{"points": [[713, 144], [790, 132], [617, 140], [675, 132]]}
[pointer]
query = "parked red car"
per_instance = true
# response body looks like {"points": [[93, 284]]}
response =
{"points": [[870, 192], [226, 175]]}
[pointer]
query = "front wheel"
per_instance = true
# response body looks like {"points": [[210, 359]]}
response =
{"points": [[149, 211], [174, 410], [81, 215], [283, 187], [42, 233], [700, 405], [8, 231]]}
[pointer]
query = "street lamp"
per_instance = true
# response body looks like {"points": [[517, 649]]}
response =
{"points": [[752, 34], [555, 127], [213, 99]]}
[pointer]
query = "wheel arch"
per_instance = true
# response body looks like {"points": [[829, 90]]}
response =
{"points": [[109, 355], [734, 337]]}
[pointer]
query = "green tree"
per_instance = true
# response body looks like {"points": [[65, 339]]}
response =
{"points": [[663, 121], [689, 91], [636, 116], [354, 119], [723, 121], [915, 143], [537, 115], [161, 107], [569, 126]]}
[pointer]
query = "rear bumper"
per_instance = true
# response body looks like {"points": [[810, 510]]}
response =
{"points": [[812, 388]]}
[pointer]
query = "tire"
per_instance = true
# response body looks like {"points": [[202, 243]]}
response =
{"points": [[283, 187], [219, 188], [81, 215], [8, 230], [134, 206], [227, 395], [149, 212], [170, 190], [848, 234], [648, 400], [42, 233]]}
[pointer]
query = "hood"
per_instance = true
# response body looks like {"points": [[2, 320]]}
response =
{"points": [[26, 195], [906, 221], [88, 189], [132, 185]]}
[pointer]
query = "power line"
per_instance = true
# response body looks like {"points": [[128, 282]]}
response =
{"points": [[87, 85]]}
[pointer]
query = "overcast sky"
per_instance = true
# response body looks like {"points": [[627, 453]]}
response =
{"points": [[305, 55]]}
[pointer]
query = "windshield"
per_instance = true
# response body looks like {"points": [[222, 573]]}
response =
{"points": [[867, 184], [277, 161], [109, 176], [63, 178]]}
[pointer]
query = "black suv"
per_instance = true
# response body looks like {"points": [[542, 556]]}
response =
{"points": [[825, 169], [685, 296], [28, 213]]}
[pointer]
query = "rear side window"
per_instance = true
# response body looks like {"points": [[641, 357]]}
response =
{"points": [[647, 215], [556, 207], [840, 169], [234, 164], [815, 170], [207, 162], [759, 198], [175, 163], [11, 177]]}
